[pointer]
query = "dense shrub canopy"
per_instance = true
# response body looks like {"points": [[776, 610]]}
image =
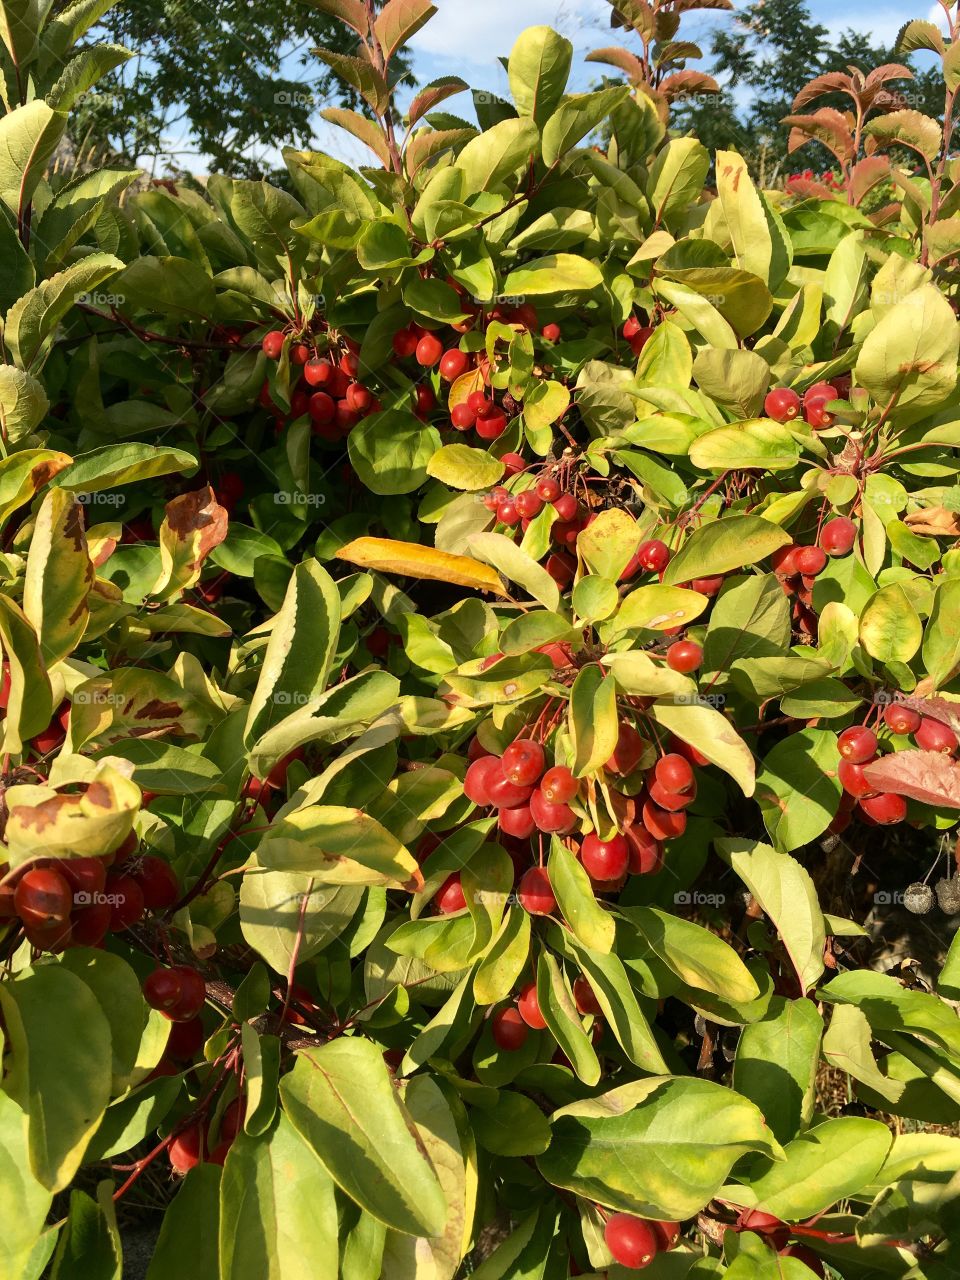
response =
{"points": [[481, 686]]}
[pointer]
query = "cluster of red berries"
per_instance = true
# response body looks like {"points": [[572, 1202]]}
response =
{"points": [[78, 901], [197, 1143], [858, 746], [635, 1242], [328, 390], [511, 1026], [178, 992], [784, 405]]}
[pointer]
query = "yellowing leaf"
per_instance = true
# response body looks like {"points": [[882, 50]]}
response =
{"points": [[389, 555]]}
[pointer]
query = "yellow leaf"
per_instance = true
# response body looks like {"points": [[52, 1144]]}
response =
{"points": [[413, 561]]}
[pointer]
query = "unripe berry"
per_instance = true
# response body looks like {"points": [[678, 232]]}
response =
{"points": [[508, 1029], [450, 896], [684, 656], [604, 859], [838, 536], [782, 404], [631, 1240], [528, 1007], [535, 892]]}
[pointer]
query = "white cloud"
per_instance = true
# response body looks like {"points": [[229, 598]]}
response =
{"points": [[476, 34]]}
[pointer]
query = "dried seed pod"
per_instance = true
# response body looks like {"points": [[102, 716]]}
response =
{"points": [[919, 898], [948, 895]]}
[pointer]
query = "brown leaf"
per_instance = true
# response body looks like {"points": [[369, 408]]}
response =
{"points": [[938, 522], [832, 82], [932, 777]]}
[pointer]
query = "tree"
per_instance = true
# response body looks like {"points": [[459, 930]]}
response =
{"points": [[219, 82]]}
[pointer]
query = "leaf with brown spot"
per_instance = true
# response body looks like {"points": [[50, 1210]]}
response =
{"points": [[932, 777], [195, 523], [133, 702], [23, 474], [45, 823]]}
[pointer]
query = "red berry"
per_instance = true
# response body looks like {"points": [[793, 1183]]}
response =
{"points": [[529, 1007], [517, 822], [349, 366], [852, 780], [478, 402], [566, 507], [159, 883], [646, 856], [508, 1029], [462, 417], [631, 328], [782, 404], [667, 1233], [547, 488], [784, 561], [529, 504], [764, 1224], [185, 1040], [632, 1241], [674, 773], [802, 1254], [628, 752], [43, 898], [491, 426], [810, 561], [502, 792], [858, 744], [126, 902], [653, 555], [273, 345], [604, 859], [672, 800], [525, 315], [162, 989], [231, 1122], [838, 536], [317, 373], [86, 876], [507, 513], [453, 363], [885, 809], [424, 400], [299, 353], [708, 586], [558, 785], [901, 719], [561, 568], [184, 1150], [404, 343], [825, 391], [661, 823], [522, 762], [535, 893], [933, 735], [429, 350], [551, 332], [193, 994], [684, 656], [565, 532], [584, 997], [450, 896], [514, 463], [555, 818], [322, 407], [359, 398], [90, 925], [816, 413]]}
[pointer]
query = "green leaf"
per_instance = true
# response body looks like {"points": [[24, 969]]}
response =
{"points": [[391, 450], [703, 727], [724, 545], [342, 1101], [538, 69], [23, 403], [514, 1127], [846, 1046], [58, 576], [557, 273], [44, 1052], [303, 640], [776, 1064], [676, 179], [760, 243], [25, 1201], [278, 1216], [698, 957], [560, 1014], [497, 154], [118, 464], [462, 467], [760, 443], [116, 989], [507, 558], [890, 1007], [30, 701], [910, 357], [193, 1215], [608, 542], [828, 1163], [504, 959], [785, 891], [890, 627], [576, 117], [592, 719], [657, 607], [28, 138], [89, 1244], [337, 845], [20, 23], [31, 323], [737, 379], [588, 921], [657, 1148], [270, 914], [750, 618], [798, 790]]}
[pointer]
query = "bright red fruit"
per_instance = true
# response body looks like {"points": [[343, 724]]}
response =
{"points": [[782, 404], [43, 898], [162, 989], [462, 417], [429, 350], [764, 1224], [684, 656], [653, 555], [858, 744], [661, 823], [184, 1150], [628, 752], [193, 994], [529, 1007], [404, 343], [838, 536], [584, 996], [551, 332], [934, 735], [672, 800], [646, 856], [535, 893], [852, 780], [547, 488], [816, 413], [514, 463], [632, 1241], [556, 818], [528, 504], [886, 808], [86, 876], [321, 407], [561, 568], [517, 822], [126, 902], [507, 512], [901, 719], [631, 328], [491, 426], [508, 1029], [89, 925], [674, 773], [360, 398], [820, 391], [317, 373], [450, 896], [273, 344], [566, 507], [784, 561], [667, 1233], [810, 561], [477, 779], [504, 793], [604, 859], [453, 363], [558, 785], [522, 762]]}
